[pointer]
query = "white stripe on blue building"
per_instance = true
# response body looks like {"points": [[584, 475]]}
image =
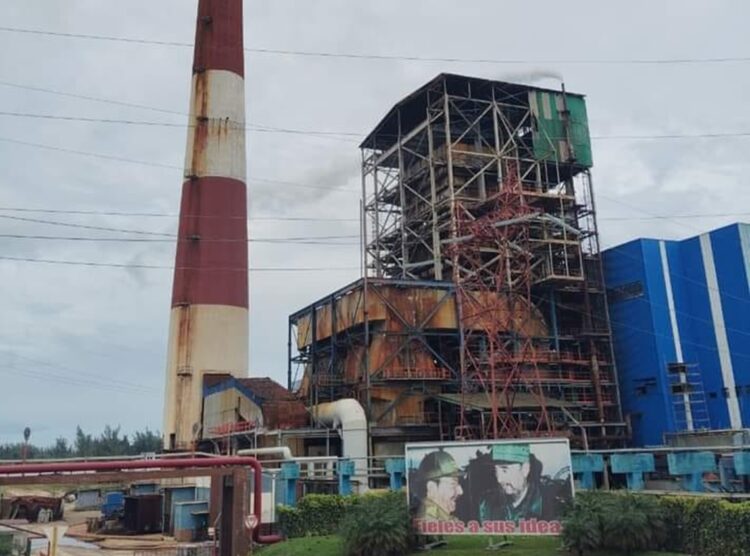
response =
{"points": [[680, 315]]}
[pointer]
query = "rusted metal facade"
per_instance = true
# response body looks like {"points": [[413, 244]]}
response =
{"points": [[479, 191], [209, 319]]}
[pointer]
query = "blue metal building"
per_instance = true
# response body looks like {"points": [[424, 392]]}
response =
{"points": [[680, 314]]}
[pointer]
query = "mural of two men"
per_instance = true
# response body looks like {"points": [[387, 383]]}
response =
{"points": [[503, 481]]}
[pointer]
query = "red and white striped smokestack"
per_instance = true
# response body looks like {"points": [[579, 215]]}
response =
{"points": [[208, 330]]}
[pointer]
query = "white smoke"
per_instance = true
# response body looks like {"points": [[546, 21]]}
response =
{"points": [[531, 76]]}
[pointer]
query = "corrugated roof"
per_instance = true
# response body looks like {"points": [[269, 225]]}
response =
{"points": [[413, 108], [268, 389]]}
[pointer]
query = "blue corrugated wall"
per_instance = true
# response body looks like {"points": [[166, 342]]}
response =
{"points": [[644, 341]]}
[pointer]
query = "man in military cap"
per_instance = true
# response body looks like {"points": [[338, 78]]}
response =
{"points": [[438, 483], [523, 493]]}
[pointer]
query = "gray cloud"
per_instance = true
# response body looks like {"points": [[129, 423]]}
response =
{"points": [[112, 323]]}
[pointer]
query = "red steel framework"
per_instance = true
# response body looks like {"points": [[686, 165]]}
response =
{"points": [[492, 272]]}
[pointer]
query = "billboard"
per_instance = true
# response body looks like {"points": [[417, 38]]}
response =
{"points": [[495, 487]]}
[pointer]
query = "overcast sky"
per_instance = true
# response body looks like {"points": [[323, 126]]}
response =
{"points": [[86, 345]]}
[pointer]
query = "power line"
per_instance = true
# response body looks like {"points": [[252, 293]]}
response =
{"points": [[673, 216], [84, 226], [76, 372], [333, 135], [168, 237], [87, 153], [177, 215], [339, 134], [91, 98], [324, 219], [160, 165], [70, 381], [249, 126], [164, 267], [390, 57], [292, 240]]}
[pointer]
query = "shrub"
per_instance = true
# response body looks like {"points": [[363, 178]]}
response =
{"points": [[623, 523], [630, 522], [583, 526], [315, 514], [634, 524], [6, 545], [378, 525], [709, 527]]}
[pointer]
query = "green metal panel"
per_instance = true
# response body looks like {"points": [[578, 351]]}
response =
{"points": [[550, 136]]}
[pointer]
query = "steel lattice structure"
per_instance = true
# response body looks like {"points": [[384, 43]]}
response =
{"points": [[487, 185], [482, 312]]}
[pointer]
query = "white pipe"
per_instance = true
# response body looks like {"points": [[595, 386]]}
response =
{"points": [[284, 451], [350, 416]]}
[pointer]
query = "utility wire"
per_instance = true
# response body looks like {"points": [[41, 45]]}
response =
{"points": [[324, 219], [48, 377], [339, 134], [254, 127], [76, 372], [298, 240], [165, 267], [334, 135], [172, 237], [160, 165], [177, 215], [365, 56]]}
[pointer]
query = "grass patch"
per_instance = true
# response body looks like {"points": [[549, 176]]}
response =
{"points": [[457, 546]]}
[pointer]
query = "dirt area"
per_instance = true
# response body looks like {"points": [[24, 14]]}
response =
{"points": [[76, 541]]}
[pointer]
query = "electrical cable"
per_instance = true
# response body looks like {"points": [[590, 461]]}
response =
{"points": [[177, 215], [76, 372], [165, 267], [335, 134], [298, 241], [322, 219], [167, 166], [364, 56]]}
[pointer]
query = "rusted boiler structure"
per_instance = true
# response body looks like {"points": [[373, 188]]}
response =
{"points": [[482, 313], [209, 320]]}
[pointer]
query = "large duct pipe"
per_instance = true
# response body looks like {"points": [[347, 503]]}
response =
{"points": [[349, 415], [209, 327], [284, 451], [123, 465]]}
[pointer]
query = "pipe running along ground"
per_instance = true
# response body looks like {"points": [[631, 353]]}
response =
{"points": [[123, 465]]}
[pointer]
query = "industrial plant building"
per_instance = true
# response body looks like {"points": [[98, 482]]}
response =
{"points": [[681, 323], [482, 312]]}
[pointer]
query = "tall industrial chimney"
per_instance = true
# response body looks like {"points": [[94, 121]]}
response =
{"points": [[208, 329]]}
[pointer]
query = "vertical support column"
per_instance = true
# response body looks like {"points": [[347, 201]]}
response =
{"points": [[585, 465], [345, 471], [289, 476], [691, 466], [396, 469], [633, 466], [553, 319], [233, 537], [437, 249]]}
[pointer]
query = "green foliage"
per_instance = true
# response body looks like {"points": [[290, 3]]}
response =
{"points": [[622, 523], [628, 523], [315, 514], [110, 443], [378, 526], [6, 545], [709, 527], [583, 525], [634, 523]]}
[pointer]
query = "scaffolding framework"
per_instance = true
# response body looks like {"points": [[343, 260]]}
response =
{"points": [[482, 189]]}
